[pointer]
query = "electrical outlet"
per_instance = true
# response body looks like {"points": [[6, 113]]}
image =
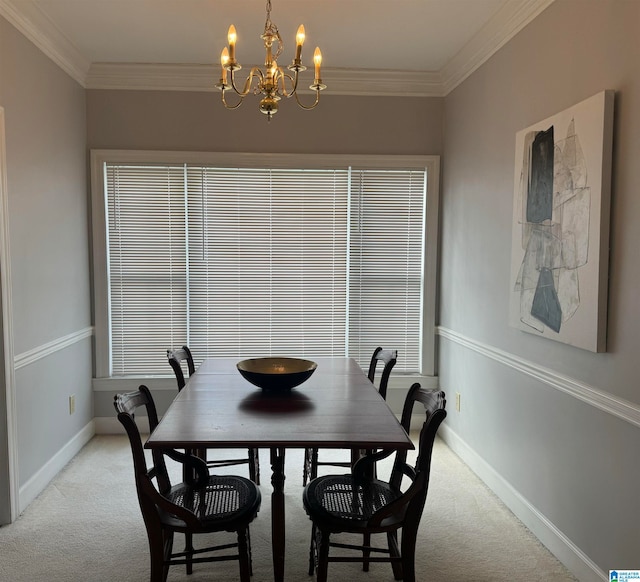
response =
{"points": [[72, 403], [458, 401]]}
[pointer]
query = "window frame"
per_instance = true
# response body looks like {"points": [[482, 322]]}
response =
{"points": [[262, 160]]}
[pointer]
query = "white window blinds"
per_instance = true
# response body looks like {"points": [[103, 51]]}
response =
{"points": [[147, 265], [251, 262], [386, 263], [267, 262]]}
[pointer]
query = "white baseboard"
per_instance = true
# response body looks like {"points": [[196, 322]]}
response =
{"points": [[34, 486], [548, 534], [111, 425]]}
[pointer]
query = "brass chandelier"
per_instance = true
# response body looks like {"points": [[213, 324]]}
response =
{"points": [[273, 83]]}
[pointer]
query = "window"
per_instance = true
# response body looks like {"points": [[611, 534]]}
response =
{"points": [[278, 255]]}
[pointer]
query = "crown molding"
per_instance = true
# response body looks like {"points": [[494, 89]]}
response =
{"points": [[508, 21], [383, 83], [168, 77], [31, 22]]}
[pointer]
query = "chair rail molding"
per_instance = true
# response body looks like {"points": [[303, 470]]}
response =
{"points": [[618, 407], [31, 356]]}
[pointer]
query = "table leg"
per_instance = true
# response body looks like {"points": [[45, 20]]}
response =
{"points": [[277, 512]]}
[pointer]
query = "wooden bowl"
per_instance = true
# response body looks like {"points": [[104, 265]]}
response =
{"points": [[276, 373]]}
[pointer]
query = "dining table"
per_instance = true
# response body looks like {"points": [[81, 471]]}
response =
{"points": [[337, 407]]}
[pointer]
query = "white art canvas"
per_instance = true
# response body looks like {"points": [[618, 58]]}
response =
{"points": [[560, 242]]}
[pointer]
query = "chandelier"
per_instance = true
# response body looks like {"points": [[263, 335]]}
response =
{"points": [[273, 83]]}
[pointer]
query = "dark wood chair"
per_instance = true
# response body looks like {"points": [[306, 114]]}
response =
{"points": [[177, 359], [204, 504], [311, 460], [361, 504]]}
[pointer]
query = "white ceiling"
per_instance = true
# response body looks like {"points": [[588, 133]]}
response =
{"points": [[427, 45]]}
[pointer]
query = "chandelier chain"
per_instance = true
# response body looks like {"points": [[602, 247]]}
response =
{"points": [[268, 24]]}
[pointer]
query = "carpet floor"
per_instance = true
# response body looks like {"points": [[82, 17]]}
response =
{"points": [[86, 527]]}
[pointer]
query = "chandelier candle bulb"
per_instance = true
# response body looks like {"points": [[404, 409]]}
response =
{"points": [[232, 37], [299, 42], [317, 60], [224, 59]]}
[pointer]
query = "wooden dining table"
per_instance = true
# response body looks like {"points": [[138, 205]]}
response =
{"points": [[337, 407]]}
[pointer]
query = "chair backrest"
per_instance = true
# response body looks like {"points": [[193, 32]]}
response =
{"points": [[434, 401], [176, 357], [153, 503], [389, 359], [126, 406], [408, 507]]}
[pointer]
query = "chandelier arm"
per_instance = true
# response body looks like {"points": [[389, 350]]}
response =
{"points": [[255, 72], [282, 78], [227, 106], [308, 107]]}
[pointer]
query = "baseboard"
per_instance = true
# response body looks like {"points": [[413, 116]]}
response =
{"points": [[558, 544], [34, 486], [111, 425]]}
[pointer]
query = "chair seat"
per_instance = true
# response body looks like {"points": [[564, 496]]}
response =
{"points": [[223, 500], [340, 504]]}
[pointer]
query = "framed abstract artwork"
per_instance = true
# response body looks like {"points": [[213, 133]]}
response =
{"points": [[560, 240]]}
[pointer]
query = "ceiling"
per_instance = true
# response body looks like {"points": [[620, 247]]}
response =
{"points": [[427, 46]]}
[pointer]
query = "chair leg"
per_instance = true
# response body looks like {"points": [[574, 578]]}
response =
{"points": [[157, 554], [366, 542], [314, 464], [168, 549], [243, 556], [312, 550], [188, 548], [254, 466], [409, 554], [323, 557], [394, 552], [250, 554], [306, 467], [157, 567]]}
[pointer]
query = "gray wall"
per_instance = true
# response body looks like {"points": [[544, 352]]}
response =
{"points": [[173, 120], [183, 121], [48, 223], [571, 461]]}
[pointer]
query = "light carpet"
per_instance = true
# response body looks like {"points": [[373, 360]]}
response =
{"points": [[87, 527]]}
